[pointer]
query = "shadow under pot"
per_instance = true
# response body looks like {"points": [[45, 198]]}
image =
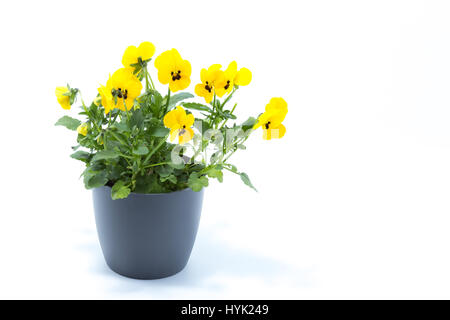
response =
{"points": [[147, 236]]}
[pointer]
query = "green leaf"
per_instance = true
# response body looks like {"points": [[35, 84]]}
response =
{"points": [[97, 166], [141, 150], [120, 190], [178, 166], [249, 123], [197, 183], [170, 177], [158, 131], [233, 168], [121, 126], [81, 155], [196, 106], [94, 179], [155, 101], [227, 114], [215, 173], [104, 155], [246, 180], [149, 184], [176, 98], [68, 122], [137, 119], [164, 171]]}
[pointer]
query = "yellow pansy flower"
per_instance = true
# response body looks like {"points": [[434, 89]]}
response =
{"points": [[225, 83], [144, 52], [180, 125], [173, 70], [271, 120], [63, 99], [124, 87], [208, 78], [231, 77], [82, 129]]}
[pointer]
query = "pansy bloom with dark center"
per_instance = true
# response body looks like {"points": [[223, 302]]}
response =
{"points": [[208, 77], [271, 120], [173, 70]]}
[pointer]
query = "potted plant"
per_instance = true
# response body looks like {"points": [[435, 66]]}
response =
{"points": [[149, 156]]}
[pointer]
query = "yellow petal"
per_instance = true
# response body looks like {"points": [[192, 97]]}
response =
{"points": [[189, 120], [186, 136], [257, 124], [59, 91], [130, 56], [185, 68], [181, 112], [204, 75], [232, 68], [267, 134], [146, 50], [220, 91], [106, 98], [175, 54], [63, 100], [181, 84], [214, 67], [82, 129], [129, 103], [164, 76], [243, 77], [277, 105], [277, 132], [173, 134], [170, 120], [201, 91]]}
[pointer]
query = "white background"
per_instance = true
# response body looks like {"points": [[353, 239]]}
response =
{"points": [[353, 202]]}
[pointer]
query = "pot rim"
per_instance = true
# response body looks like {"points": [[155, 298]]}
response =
{"points": [[154, 194]]}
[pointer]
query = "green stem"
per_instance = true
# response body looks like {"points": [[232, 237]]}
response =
{"points": [[109, 120], [154, 150], [226, 168], [148, 80], [155, 164], [231, 112], [124, 155], [151, 81], [115, 117], [232, 152], [126, 110], [167, 104], [229, 97], [213, 115], [200, 148], [117, 137]]}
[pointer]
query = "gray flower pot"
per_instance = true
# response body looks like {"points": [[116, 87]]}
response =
{"points": [[147, 236]]}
